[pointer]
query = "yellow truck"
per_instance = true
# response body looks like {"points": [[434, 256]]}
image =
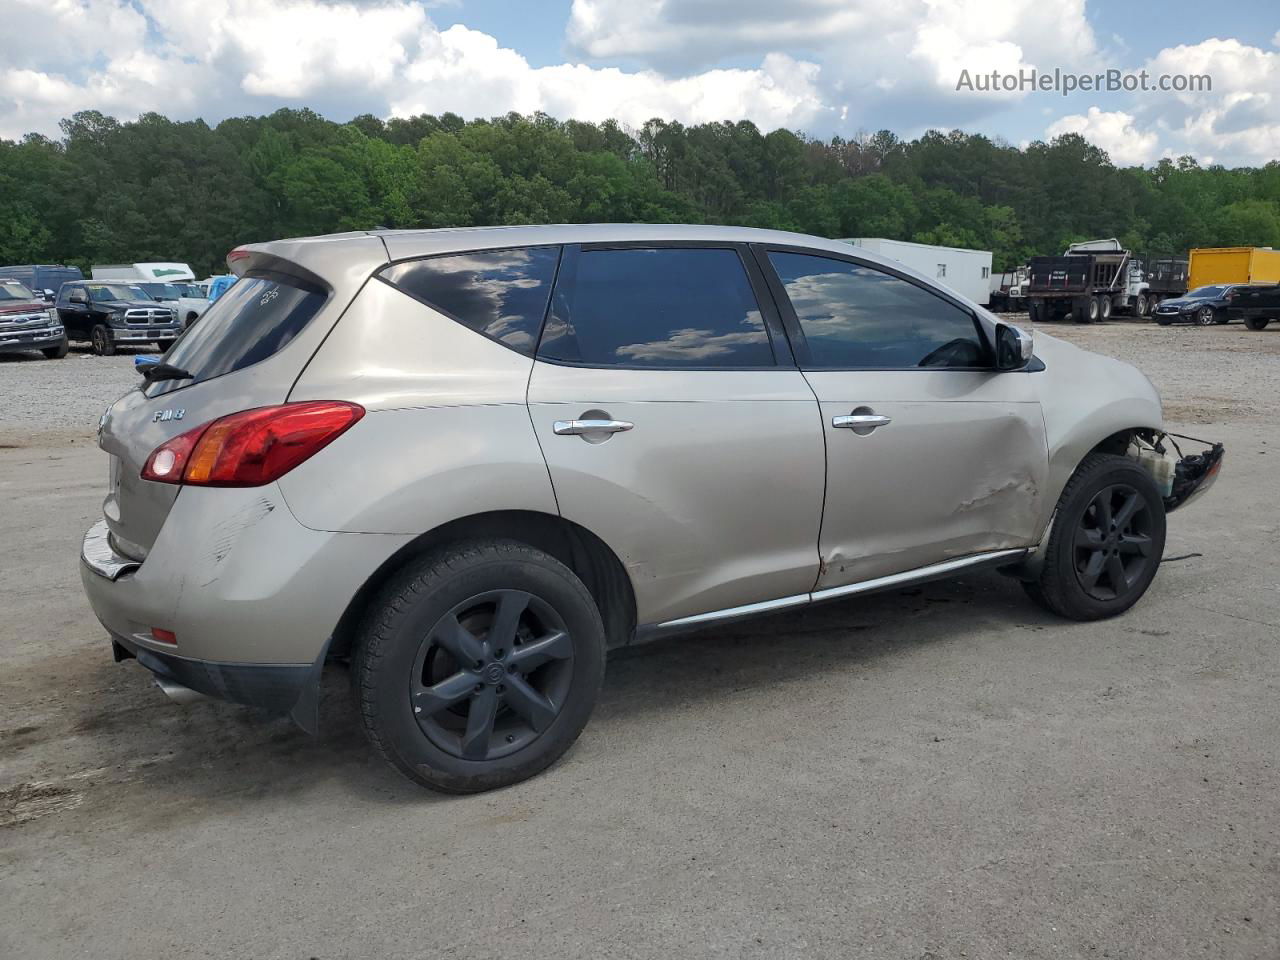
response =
{"points": [[1211, 265]]}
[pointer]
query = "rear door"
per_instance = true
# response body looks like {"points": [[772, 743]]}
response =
{"points": [[677, 428], [246, 352], [931, 454]]}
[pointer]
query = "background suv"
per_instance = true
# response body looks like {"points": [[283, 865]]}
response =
{"points": [[112, 313], [472, 460]]}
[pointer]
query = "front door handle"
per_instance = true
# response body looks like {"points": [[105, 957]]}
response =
{"points": [[576, 428], [861, 421]]}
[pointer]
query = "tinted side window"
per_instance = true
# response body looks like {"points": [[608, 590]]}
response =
{"points": [[253, 320], [856, 317], [502, 294], [658, 307]]}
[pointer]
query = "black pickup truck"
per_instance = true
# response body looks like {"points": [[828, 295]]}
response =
{"points": [[1255, 304]]}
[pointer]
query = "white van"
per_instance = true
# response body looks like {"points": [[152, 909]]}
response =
{"points": [[170, 282]]}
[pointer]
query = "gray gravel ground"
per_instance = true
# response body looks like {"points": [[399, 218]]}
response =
{"points": [[941, 772]]}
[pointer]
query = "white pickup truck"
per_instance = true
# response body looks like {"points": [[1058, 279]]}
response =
{"points": [[171, 282]]}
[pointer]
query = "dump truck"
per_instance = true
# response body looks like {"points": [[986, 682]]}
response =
{"points": [[1211, 265], [1096, 278], [1009, 291]]}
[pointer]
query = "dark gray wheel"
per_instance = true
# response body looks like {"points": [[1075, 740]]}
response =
{"points": [[1206, 316], [479, 665], [101, 342], [1107, 541]]}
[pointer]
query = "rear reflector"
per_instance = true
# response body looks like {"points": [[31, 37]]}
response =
{"points": [[250, 448], [163, 636]]}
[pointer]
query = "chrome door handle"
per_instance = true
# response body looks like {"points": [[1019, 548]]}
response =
{"points": [[575, 428], [861, 421]]}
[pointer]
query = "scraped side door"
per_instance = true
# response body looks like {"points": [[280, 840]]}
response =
{"points": [[932, 454]]}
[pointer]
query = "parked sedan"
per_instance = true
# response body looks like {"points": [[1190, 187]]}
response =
{"points": [[1204, 305], [471, 461]]}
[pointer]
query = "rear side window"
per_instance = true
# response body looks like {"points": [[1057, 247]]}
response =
{"points": [[855, 317], [253, 320], [658, 307], [502, 294]]}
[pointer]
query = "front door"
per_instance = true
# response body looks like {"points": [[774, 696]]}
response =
{"points": [[677, 428], [932, 455]]}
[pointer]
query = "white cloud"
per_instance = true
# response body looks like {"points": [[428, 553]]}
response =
{"points": [[1114, 132]]}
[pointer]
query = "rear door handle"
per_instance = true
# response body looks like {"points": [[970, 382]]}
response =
{"points": [[575, 428], [861, 421]]}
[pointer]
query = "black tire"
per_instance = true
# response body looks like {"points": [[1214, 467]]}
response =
{"points": [[427, 612], [101, 342], [1140, 306], [1257, 323], [163, 345], [58, 352], [1064, 586], [1104, 308], [1206, 316]]}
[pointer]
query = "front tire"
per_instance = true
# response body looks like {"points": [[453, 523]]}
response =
{"points": [[58, 352], [1107, 541], [1140, 308], [101, 342], [1206, 316], [479, 665]]}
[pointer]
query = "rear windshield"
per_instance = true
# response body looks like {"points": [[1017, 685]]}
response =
{"points": [[254, 319]]}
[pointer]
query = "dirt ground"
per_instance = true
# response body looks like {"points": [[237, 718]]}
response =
{"points": [[940, 772]]}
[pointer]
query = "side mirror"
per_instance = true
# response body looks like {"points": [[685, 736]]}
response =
{"points": [[1014, 347], [49, 295]]}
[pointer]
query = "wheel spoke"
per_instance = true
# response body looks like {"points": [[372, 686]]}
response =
{"points": [[1089, 538], [529, 703], [459, 641], [529, 656], [1103, 502], [475, 740], [1138, 543], [502, 631], [1093, 569], [1115, 573], [431, 700], [1132, 504]]}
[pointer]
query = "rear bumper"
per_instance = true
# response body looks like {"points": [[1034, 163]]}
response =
{"points": [[282, 689]]}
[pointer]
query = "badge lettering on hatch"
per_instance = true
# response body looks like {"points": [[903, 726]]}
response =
{"points": [[163, 416]]}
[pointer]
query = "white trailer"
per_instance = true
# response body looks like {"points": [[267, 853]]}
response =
{"points": [[968, 272]]}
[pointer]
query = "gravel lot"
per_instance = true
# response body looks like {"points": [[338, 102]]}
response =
{"points": [[941, 772]]}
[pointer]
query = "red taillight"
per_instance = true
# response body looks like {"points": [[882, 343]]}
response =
{"points": [[237, 254], [163, 636], [250, 448]]}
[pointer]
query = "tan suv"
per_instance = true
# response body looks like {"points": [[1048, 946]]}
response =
{"points": [[472, 461]]}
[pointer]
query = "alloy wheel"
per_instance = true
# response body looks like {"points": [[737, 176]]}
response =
{"points": [[1112, 546], [491, 675], [1205, 316]]}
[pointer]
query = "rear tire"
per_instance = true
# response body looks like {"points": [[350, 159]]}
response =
{"points": [[1104, 308], [1107, 541], [100, 341], [479, 665], [1257, 323]]}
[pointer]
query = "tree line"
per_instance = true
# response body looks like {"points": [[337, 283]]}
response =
{"points": [[156, 189]]}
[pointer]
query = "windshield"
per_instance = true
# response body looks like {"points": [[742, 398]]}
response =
{"points": [[1207, 292], [162, 291], [193, 290], [13, 290], [99, 292], [249, 323]]}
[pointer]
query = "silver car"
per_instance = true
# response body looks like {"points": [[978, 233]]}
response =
{"points": [[471, 461]]}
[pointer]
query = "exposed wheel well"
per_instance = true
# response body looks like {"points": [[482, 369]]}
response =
{"points": [[576, 547], [1118, 442]]}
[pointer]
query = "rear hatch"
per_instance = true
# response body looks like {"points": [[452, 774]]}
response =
{"points": [[247, 351]]}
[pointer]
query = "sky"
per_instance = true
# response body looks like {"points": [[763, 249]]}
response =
{"points": [[821, 67]]}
